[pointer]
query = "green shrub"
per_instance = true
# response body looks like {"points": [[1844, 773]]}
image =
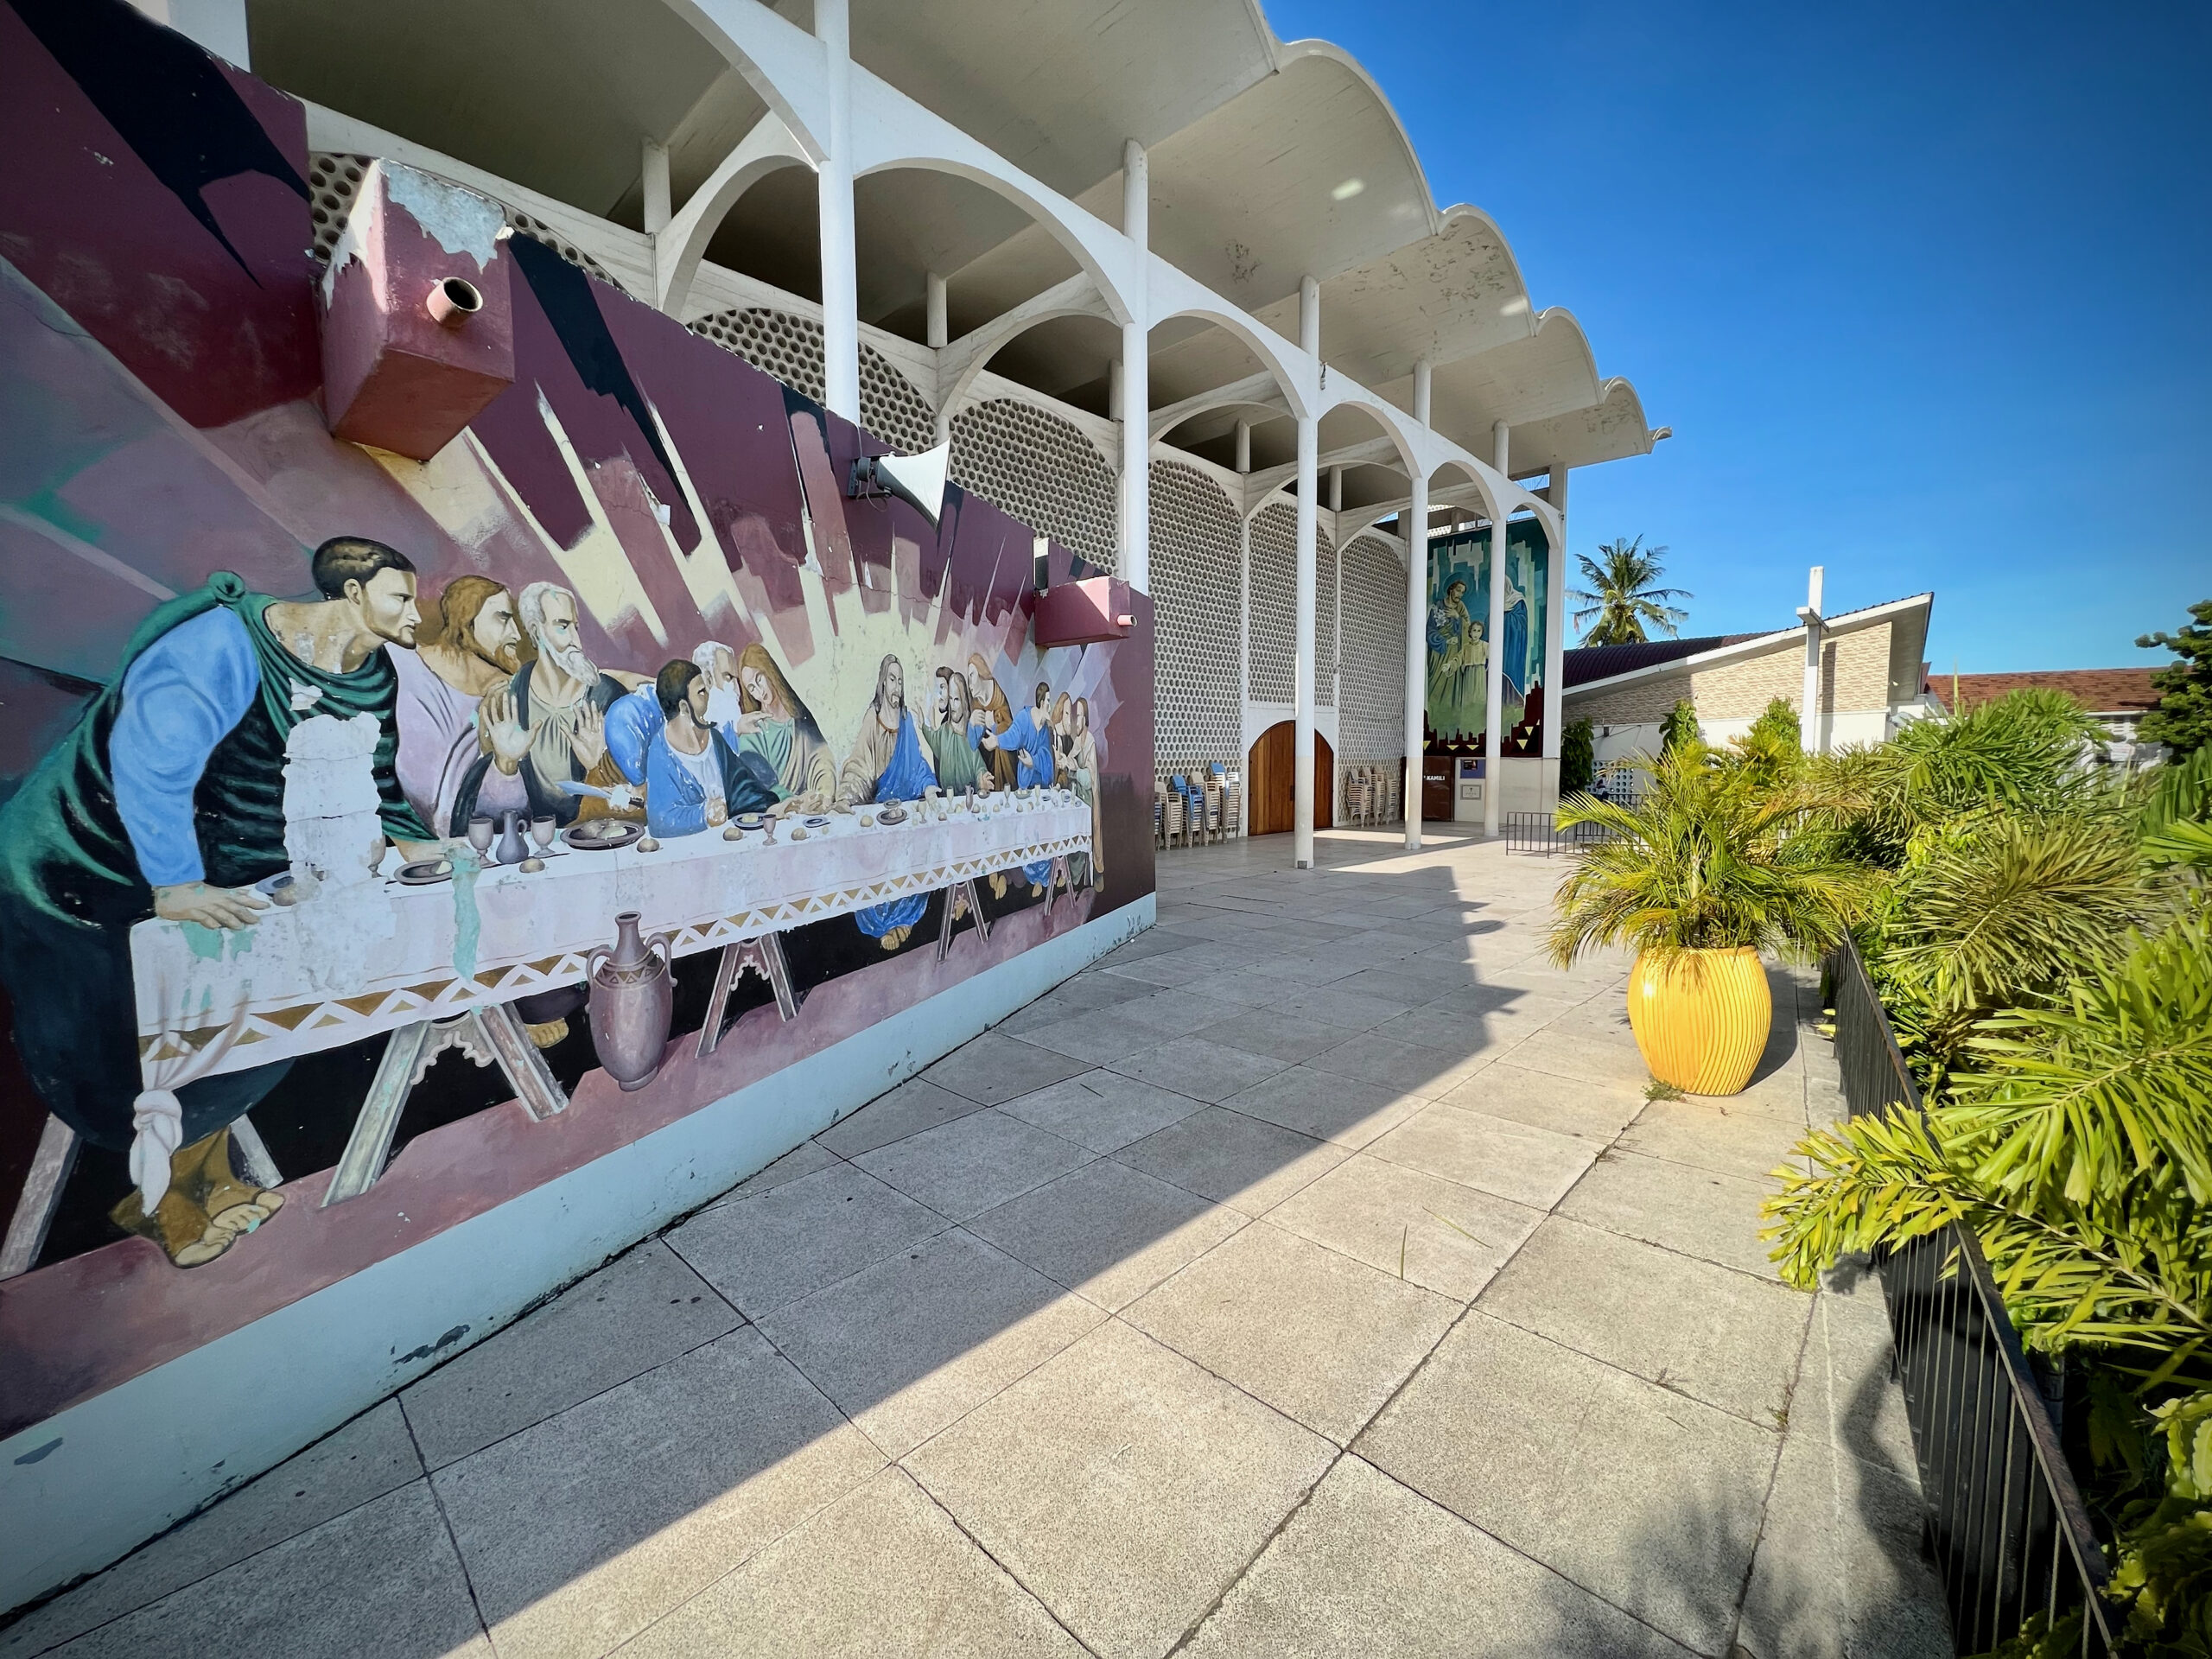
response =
{"points": [[1577, 758], [1679, 729]]}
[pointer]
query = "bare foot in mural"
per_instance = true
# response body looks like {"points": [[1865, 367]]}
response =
{"points": [[998, 885], [896, 937]]}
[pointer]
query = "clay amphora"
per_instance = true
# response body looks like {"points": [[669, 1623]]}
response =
{"points": [[631, 999]]}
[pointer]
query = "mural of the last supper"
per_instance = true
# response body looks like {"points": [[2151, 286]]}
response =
{"points": [[387, 833]]}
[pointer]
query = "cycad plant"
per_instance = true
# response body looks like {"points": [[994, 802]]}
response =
{"points": [[1707, 861]]}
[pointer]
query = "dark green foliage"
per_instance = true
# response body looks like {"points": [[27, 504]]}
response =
{"points": [[2182, 720], [1577, 758], [1679, 729], [1772, 751]]}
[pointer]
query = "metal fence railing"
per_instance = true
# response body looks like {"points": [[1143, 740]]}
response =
{"points": [[1536, 832], [2010, 1534]]}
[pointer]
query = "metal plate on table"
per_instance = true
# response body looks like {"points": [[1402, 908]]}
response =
{"points": [[425, 873], [603, 835]]}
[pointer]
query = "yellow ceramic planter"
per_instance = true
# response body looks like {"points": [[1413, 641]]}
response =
{"points": [[1702, 1020]]}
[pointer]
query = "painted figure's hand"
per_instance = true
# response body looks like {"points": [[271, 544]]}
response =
{"points": [[588, 741], [506, 736], [717, 810], [195, 901]]}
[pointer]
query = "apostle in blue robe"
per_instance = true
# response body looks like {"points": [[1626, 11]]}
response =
{"points": [[1030, 740]]}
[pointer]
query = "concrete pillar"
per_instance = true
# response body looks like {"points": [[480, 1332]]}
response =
{"points": [[1808, 718], [1494, 690], [1309, 432], [654, 181], [934, 335], [840, 322], [1243, 660], [1416, 524], [1244, 446], [1136, 377], [1555, 624]]}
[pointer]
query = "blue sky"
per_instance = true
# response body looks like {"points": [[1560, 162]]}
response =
{"points": [[1924, 290]]}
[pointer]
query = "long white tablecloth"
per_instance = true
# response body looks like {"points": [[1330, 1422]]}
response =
{"points": [[331, 970]]}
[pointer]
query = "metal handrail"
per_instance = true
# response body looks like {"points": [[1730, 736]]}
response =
{"points": [[2006, 1524]]}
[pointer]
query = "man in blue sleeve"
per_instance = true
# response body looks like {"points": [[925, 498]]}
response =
{"points": [[167, 800]]}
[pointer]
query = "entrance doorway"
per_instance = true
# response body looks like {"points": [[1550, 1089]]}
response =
{"points": [[1272, 780]]}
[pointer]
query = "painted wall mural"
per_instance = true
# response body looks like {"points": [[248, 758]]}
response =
{"points": [[383, 838], [1460, 648]]}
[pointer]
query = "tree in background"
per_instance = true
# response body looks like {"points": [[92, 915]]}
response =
{"points": [[1679, 729], [1577, 758], [1624, 604], [2182, 720], [1772, 751]]}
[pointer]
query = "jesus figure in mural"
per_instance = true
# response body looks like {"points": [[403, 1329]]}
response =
{"points": [[888, 763]]}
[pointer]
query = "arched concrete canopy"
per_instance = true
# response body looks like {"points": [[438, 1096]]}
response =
{"points": [[965, 359], [678, 248], [1276, 356], [779, 59]]}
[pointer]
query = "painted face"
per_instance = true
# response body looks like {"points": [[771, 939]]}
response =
{"points": [[696, 696], [894, 687], [755, 686], [495, 634], [944, 696], [725, 675], [387, 605], [557, 628]]}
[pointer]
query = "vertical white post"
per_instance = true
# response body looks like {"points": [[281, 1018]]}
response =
{"points": [[1136, 376], [1493, 690], [1243, 621], [1417, 621], [1555, 624], [1309, 338], [1808, 723], [840, 322], [1244, 446], [654, 184], [935, 335]]}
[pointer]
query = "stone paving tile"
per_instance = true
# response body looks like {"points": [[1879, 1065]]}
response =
{"points": [[1122, 1485], [1108, 1232], [1713, 1333], [914, 1105], [1178, 968], [764, 1251], [1333, 1005], [1401, 990], [1464, 1036], [916, 1341], [803, 1160], [1713, 1134], [1407, 1068], [1513, 1160], [1233, 1160], [974, 1163], [1323, 1104], [1193, 1066], [1271, 1030], [582, 1531], [370, 1456], [1102, 1110], [1150, 943], [1594, 1111], [993, 1068], [1574, 1055], [1367, 1567], [1098, 1038], [637, 1311], [883, 1572], [309, 1595], [1714, 1217], [1435, 1233], [1643, 1497], [1177, 1012], [1319, 1336]]}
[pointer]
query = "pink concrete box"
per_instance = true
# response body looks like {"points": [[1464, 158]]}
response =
{"points": [[418, 328], [1083, 612]]}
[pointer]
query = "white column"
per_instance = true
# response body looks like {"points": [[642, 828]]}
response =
{"points": [[935, 335], [1809, 719], [1136, 377], [654, 183], [840, 322], [1244, 656], [1417, 621], [1494, 691], [1309, 484], [1555, 624], [1244, 446]]}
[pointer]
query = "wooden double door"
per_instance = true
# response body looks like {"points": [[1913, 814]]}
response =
{"points": [[1270, 780]]}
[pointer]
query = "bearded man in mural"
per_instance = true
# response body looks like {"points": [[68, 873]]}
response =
{"points": [[990, 701], [888, 763], [544, 735], [469, 646], [1029, 741], [167, 800]]}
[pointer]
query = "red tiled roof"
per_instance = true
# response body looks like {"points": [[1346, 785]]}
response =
{"points": [[2100, 690]]}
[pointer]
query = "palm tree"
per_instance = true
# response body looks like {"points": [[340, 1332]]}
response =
{"points": [[1622, 595]]}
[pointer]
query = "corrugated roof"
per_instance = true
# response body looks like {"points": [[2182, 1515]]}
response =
{"points": [[1588, 662], [2100, 690]]}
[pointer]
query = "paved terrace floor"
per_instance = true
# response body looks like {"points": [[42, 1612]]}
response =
{"points": [[1311, 1276]]}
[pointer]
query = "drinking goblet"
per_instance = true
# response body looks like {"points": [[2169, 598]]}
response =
{"points": [[479, 834]]}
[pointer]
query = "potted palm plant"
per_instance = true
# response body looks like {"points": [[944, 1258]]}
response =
{"points": [[1714, 866]]}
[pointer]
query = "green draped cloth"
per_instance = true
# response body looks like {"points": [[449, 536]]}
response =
{"points": [[70, 890]]}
